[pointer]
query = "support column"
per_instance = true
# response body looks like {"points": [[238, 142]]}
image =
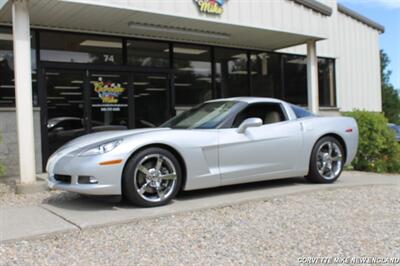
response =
{"points": [[312, 77], [23, 90]]}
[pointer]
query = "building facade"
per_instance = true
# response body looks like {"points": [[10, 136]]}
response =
{"points": [[105, 65]]}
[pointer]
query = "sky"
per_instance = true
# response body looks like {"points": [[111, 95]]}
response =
{"points": [[386, 13]]}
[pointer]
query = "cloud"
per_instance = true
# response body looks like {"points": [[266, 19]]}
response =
{"points": [[390, 4]]}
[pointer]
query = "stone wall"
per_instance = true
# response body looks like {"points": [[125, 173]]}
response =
{"points": [[9, 144]]}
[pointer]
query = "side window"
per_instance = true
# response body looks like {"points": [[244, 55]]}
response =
{"points": [[268, 112], [70, 124], [65, 124], [76, 124], [300, 112]]}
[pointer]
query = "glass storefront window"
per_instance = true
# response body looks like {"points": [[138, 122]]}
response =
{"points": [[326, 79], [151, 100], [192, 64], [65, 107], [147, 53], [295, 79], [80, 48], [266, 74], [231, 72], [7, 85], [271, 74]]}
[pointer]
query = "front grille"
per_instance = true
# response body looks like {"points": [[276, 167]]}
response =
{"points": [[63, 178]]}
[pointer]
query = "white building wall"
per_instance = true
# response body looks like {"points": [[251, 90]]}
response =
{"points": [[280, 15], [355, 46]]}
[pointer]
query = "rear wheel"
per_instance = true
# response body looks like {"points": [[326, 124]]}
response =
{"points": [[326, 162], [151, 178]]}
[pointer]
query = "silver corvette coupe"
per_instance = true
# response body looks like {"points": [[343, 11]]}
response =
{"points": [[220, 142]]}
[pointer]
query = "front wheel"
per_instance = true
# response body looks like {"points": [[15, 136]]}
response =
{"points": [[151, 178], [326, 162]]}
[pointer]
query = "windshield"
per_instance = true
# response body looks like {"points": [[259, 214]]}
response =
{"points": [[204, 116]]}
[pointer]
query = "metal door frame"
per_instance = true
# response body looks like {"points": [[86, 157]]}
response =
{"points": [[87, 69]]}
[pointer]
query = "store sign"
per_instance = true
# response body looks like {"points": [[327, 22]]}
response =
{"points": [[109, 94], [214, 7]]}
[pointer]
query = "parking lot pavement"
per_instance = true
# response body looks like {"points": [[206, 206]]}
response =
{"points": [[86, 212]]}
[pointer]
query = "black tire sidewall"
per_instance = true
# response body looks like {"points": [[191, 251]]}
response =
{"points": [[314, 175], [128, 187]]}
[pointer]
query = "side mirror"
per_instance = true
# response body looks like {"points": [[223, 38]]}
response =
{"points": [[249, 122]]}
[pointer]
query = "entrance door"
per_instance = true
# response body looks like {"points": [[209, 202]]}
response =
{"points": [[80, 101], [151, 100], [65, 107], [127, 100]]}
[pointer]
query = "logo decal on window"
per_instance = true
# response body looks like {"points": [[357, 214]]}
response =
{"points": [[108, 92]]}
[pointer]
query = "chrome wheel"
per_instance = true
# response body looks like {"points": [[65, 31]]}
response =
{"points": [[155, 178], [329, 160]]}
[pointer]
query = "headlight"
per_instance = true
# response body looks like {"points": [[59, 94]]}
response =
{"points": [[103, 148]]}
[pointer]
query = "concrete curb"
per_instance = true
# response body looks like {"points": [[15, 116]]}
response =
{"points": [[38, 186]]}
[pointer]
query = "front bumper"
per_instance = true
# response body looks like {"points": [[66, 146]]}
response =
{"points": [[108, 176], [89, 189]]}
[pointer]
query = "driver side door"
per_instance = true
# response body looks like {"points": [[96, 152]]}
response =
{"points": [[260, 153]]}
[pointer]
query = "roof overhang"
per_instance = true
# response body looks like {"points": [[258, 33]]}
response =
{"points": [[357, 16], [91, 18], [316, 6]]}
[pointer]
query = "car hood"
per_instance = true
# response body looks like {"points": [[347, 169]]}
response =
{"points": [[100, 137]]}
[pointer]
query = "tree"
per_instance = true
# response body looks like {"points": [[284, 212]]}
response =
{"points": [[390, 97]]}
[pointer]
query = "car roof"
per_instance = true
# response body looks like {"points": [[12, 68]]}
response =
{"points": [[249, 100], [63, 118]]}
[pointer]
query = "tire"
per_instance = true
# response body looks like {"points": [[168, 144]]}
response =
{"points": [[152, 177], [327, 161]]}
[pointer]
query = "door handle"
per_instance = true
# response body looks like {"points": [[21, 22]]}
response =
{"points": [[302, 126]]}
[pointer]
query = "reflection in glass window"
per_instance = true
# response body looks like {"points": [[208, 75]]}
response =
{"points": [[231, 72], [266, 74], [64, 101], [326, 78], [151, 100], [7, 89], [300, 112], [295, 79], [193, 76], [148, 53], [80, 48]]}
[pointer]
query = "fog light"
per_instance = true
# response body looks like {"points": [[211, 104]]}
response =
{"points": [[87, 180]]}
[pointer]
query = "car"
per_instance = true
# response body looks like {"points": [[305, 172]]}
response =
{"points": [[396, 129], [63, 129], [220, 142]]}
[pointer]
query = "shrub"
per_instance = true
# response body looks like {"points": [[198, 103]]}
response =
{"points": [[378, 150]]}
